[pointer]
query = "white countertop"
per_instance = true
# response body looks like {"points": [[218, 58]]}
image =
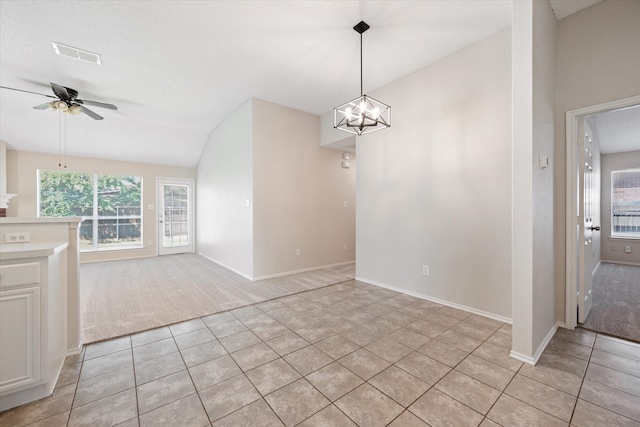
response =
{"points": [[36, 220], [9, 251]]}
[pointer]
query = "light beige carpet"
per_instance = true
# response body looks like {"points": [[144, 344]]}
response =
{"points": [[616, 302], [123, 297]]}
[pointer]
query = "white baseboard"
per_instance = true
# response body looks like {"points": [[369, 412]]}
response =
{"points": [[541, 348], [74, 351], [93, 261], [439, 301], [597, 267], [620, 262], [226, 266], [522, 357], [271, 276], [304, 270], [17, 398]]}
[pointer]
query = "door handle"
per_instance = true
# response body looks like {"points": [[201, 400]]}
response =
{"points": [[596, 228]]}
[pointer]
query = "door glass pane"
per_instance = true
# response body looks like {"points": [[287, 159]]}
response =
{"points": [[176, 215]]}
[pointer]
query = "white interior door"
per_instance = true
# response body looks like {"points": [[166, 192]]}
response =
{"points": [[175, 216], [585, 221]]}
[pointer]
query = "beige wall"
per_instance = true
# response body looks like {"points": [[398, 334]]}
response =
{"points": [[597, 61], [22, 169], [613, 162], [544, 86], [266, 188], [300, 191], [225, 186], [435, 188]]}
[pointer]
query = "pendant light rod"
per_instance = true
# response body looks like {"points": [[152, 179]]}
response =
{"points": [[360, 28], [361, 79]]}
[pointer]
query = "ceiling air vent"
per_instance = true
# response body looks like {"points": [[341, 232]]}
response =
{"points": [[74, 52]]}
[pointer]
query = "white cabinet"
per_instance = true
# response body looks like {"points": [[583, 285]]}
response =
{"points": [[20, 336], [33, 320]]}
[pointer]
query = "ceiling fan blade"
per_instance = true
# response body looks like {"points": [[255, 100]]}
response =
{"points": [[43, 106], [89, 112], [97, 104], [60, 91], [27, 91]]}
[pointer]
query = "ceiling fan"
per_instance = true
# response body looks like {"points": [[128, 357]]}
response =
{"points": [[67, 101]]}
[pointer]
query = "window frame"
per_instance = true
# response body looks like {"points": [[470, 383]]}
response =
{"points": [[95, 217], [616, 234]]}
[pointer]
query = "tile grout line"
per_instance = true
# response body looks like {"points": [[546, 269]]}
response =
{"points": [[575, 405], [135, 381], [622, 391], [485, 416], [366, 381], [335, 333], [76, 387]]}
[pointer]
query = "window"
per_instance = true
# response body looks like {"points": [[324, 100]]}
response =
{"points": [[625, 203], [110, 206]]}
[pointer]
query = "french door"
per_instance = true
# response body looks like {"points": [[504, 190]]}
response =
{"points": [[175, 216]]}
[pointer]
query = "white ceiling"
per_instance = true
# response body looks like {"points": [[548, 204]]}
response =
{"points": [[564, 8], [618, 131], [177, 69]]}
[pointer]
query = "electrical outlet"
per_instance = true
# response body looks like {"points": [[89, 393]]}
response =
{"points": [[425, 270], [344, 247], [19, 237], [297, 252], [627, 249]]}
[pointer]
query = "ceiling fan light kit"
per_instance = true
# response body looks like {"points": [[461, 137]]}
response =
{"points": [[364, 114], [62, 106]]}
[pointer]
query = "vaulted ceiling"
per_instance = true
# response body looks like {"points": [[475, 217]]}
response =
{"points": [[177, 69]]}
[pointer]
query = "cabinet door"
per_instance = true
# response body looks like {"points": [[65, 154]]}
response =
{"points": [[19, 338]]}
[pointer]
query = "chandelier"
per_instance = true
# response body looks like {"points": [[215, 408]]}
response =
{"points": [[363, 114]]}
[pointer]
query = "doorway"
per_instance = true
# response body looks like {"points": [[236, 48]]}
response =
{"points": [[175, 216], [578, 229]]}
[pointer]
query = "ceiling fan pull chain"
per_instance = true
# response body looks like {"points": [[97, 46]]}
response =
{"points": [[65, 141], [59, 139]]}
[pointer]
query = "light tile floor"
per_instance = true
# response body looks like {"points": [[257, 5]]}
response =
{"points": [[348, 354]]}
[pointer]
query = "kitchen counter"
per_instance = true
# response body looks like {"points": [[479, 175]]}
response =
{"points": [[10, 251]]}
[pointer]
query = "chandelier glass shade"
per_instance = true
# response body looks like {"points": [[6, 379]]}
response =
{"points": [[363, 114]]}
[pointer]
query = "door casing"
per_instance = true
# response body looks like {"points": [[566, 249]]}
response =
{"points": [[159, 204], [571, 194]]}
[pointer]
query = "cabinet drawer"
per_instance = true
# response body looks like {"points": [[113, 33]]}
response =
{"points": [[19, 274]]}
